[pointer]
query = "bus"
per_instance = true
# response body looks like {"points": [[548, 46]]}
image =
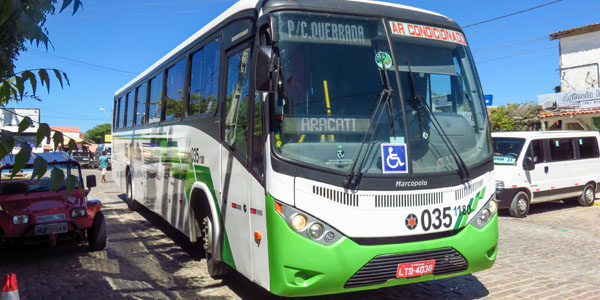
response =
{"points": [[316, 147]]}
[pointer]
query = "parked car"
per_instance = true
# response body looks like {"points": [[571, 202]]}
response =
{"points": [[98, 153], [533, 167], [31, 211], [82, 156]]}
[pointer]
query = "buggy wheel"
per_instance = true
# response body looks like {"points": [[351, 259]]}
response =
{"points": [[97, 233]]}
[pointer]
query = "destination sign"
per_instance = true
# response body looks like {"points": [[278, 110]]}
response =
{"points": [[323, 30], [325, 125], [427, 32]]}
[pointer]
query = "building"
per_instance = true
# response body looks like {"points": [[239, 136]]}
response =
{"points": [[577, 104]]}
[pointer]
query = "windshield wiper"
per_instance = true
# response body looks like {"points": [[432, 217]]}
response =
{"points": [[463, 170], [353, 176]]}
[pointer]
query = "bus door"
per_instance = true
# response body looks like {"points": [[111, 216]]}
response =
{"points": [[235, 207]]}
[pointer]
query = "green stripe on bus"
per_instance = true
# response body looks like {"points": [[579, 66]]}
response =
{"points": [[203, 175], [462, 219]]}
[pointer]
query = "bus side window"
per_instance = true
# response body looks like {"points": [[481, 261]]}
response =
{"points": [[258, 153], [237, 102]]}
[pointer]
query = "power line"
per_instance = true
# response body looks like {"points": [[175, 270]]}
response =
{"points": [[84, 63], [511, 14]]}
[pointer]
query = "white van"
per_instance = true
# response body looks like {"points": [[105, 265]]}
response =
{"points": [[533, 167]]}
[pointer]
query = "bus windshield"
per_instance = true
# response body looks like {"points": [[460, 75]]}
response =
{"points": [[334, 71]]}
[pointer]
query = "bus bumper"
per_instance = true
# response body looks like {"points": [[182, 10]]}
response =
{"points": [[301, 267]]}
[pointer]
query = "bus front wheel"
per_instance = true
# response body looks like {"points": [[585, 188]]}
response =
{"points": [[519, 206], [215, 267]]}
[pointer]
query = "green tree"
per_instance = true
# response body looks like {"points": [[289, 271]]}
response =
{"points": [[21, 22], [514, 116], [96, 134]]}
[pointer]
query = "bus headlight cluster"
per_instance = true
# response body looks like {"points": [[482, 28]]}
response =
{"points": [[307, 225], [485, 214]]}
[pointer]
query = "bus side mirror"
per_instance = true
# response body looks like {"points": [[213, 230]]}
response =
{"points": [[90, 181], [263, 68], [528, 164]]}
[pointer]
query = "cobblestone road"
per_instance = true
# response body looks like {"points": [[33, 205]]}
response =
{"points": [[554, 253]]}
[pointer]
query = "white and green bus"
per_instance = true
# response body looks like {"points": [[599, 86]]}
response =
{"points": [[316, 147]]}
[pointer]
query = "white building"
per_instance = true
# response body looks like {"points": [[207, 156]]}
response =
{"points": [[577, 106]]}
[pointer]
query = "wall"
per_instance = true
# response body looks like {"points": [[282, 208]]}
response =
{"points": [[580, 61]]}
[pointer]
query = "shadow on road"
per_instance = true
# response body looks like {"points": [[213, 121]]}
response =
{"points": [[462, 287]]}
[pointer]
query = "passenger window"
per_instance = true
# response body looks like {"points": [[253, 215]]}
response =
{"points": [[130, 107], [536, 150], [175, 86], [116, 114], [236, 108], [140, 114], [155, 101], [588, 147], [561, 149], [204, 82], [121, 113]]}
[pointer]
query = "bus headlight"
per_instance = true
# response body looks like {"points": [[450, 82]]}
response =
{"points": [[307, 225], [485, 214], [298, 222], [315, 230]]}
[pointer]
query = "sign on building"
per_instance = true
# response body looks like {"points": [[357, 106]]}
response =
{"points": [[575, 100]]}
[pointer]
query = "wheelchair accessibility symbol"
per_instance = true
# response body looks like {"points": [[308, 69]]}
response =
{"points": [[393, 158]]}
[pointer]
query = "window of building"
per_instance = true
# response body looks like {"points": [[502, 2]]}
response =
{"points": [[204, 82], [236, 108], [588, 147], [175, 94], [140, 113], [155, 101]]}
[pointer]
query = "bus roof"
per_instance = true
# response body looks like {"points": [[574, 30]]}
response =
{"points": [[239, 6]]}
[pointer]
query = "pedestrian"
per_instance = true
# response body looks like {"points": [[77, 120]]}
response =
{"points": [[103, 163]]}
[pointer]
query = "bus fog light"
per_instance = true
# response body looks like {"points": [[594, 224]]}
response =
{"points": [[315, 230], [20, 219], [485, 215], [298, 222], [329, 236]]}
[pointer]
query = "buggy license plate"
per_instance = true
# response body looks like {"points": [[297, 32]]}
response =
{"points": [[414, 269], [52, 228]]}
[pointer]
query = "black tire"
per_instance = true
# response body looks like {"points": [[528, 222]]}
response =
{"points": [[588, 196], [131, 203], [97, 233], [216, 268], [519, 206]]}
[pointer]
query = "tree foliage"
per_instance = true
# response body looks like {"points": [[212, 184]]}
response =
{"points": [[514, 117], [22, 22], [96, 134]]}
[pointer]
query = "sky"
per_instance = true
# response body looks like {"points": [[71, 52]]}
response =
{"points": [[109, 42]]}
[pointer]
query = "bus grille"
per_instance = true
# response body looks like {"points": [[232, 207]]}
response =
{"points": [[409, 200], [383, 268], [336, 196], [468, 190]]}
